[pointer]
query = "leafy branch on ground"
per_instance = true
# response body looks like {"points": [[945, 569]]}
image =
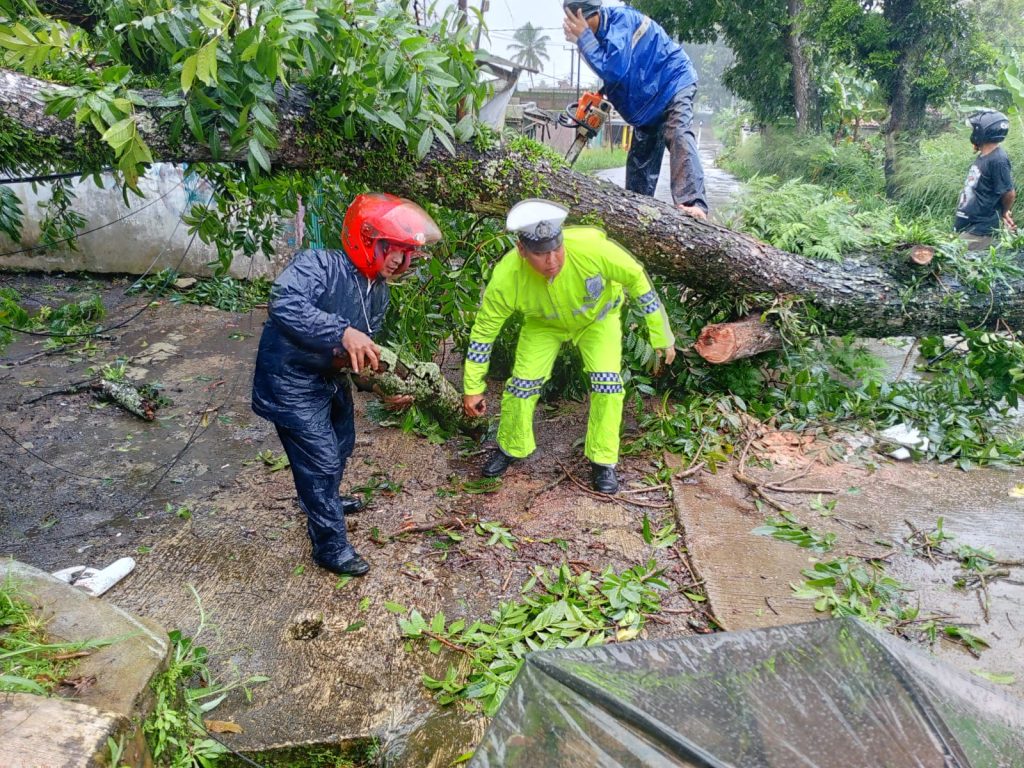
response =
{"points": [[225, 293], [558, 610], [788, 528]]}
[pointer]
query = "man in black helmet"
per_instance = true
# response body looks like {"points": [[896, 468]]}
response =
{"points": [[988, 195], [652, 83]]}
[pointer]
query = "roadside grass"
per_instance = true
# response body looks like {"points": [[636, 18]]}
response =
{"points": [[592, 160], [29, 662]]}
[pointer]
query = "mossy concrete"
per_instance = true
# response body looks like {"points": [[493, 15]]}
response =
{"points": [[39, 731]]}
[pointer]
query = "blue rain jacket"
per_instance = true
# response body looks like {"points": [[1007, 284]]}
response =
{"points": [[318, 295], [640, 80]]}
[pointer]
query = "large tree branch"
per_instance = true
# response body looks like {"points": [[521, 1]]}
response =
{"points": [[864, 295]]}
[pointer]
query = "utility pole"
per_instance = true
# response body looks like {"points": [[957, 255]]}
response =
{"points": [[572, 66], [579, 67], [485, 6]]}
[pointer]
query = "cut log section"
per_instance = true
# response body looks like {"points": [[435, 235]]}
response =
{"points": [[921, 255], [725, 342]]}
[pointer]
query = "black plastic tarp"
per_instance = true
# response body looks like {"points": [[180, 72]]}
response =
{"points": [[828, 693]]}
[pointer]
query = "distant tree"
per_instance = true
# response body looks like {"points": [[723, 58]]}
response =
{"points": [[531, 48], [922, 53], [772, 68], [1001, 23]]}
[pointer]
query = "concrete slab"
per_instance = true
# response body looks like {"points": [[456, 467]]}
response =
{"points": [[122, 670], [748, 577], [46, 733]]}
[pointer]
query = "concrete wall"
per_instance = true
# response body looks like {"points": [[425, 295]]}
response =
{"points": [[145, 236]]}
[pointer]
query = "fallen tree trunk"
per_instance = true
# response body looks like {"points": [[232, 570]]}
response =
{"points": [[867, 295], [430, 390], [725, 342]]}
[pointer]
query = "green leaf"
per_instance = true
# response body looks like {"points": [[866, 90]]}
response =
{"points": [[188, 72], [424, 144], [257, 151], [195, 124], [992, 677], [392, 119], [206, 63], [394, 607], [120, 133]]}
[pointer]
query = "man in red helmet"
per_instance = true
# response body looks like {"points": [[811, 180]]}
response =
{"points": [[328, 304]]}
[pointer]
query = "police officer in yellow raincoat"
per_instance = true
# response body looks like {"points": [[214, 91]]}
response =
{"points": [[570, 285]]}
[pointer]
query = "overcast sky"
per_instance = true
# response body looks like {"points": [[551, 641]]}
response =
{"points": [[505, 16]]}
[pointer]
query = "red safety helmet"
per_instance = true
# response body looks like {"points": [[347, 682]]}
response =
{"points": [[376, 220]]}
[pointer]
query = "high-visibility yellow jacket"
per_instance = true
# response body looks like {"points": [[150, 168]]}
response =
{"points": [[587, 290]]}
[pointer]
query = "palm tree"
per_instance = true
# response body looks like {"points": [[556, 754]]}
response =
{"points": [[531, 48]]}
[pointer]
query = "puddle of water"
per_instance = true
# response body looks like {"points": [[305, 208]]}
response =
{"points": [[721, 186]]}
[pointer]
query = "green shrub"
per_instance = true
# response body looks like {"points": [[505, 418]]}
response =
{"points": [[854, 168]]}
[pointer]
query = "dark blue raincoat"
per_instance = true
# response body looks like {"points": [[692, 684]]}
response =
{"points": [[318, 295]]}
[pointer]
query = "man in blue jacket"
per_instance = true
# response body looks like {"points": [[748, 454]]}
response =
{"points": [[652, 83], [324, 308]]}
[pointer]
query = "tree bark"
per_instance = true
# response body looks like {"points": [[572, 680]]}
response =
{"points": [[866, 295], [800, 76], [725, 342]]}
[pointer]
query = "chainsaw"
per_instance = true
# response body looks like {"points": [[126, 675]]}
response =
{"points": [[586, 116]]}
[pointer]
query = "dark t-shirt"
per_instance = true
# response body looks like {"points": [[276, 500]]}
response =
{"points": [[980, 208]]}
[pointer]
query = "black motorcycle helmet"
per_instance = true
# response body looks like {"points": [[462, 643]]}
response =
{"points": [[589, 7], [988, 127]]}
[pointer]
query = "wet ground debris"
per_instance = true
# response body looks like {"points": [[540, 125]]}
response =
{"points": [[558, 609]]}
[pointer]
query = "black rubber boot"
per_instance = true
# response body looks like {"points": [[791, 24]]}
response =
{"points": [[354, 566], [350, 505], [603, 478], [496, 464]]}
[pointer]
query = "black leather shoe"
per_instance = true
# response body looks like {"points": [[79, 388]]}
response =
{"points": [[350, 505], [603, 478], [354, 566], [496, 464]]}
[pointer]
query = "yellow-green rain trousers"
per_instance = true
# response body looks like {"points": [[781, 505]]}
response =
{"points": [[581, 304]]}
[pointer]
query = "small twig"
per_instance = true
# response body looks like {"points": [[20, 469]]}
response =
{"points": [[852, 523], [983, 599], [693, 470], [906, 360], [608, 496], [770, 606], [802, 473], [36, 356], [541, 491], [647, 489], [71, 655], [424, 527], [446, 641], [783, 489]]}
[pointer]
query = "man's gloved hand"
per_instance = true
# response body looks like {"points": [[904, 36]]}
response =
{"points": [[663, 357], [474, 405], [362, 352]]}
